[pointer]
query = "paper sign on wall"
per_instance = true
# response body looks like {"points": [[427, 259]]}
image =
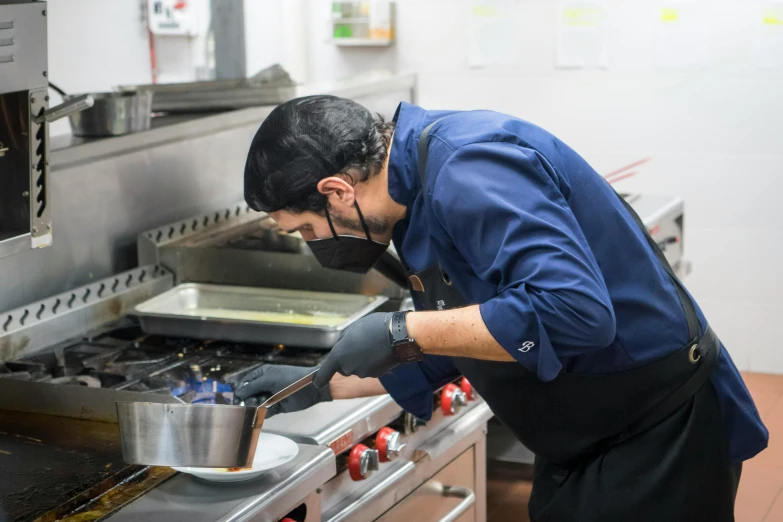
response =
{"points": [[492, 33], [769, 41], [582, 35], [682, 35]]}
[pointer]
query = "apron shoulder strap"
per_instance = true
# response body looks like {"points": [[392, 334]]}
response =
{"points": [[686, 302], [423, 150]]}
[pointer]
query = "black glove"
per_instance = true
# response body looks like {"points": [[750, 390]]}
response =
{"points": [[364, 349], [270, 379]]}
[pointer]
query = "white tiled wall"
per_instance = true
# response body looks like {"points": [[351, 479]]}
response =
{"points": [[715, 135]]}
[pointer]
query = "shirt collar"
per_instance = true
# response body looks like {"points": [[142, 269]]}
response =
{"points": [[404, 183]]}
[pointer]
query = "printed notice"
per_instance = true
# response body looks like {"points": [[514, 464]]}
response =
{"points": [[492, 35], [582, 35], [769, 40], [682, 36]]}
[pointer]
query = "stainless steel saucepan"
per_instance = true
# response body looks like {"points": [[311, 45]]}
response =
{"points": [[198, 435]]}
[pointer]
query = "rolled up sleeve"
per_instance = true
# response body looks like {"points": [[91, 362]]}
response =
{"points": [[501, 207], [412, 385]]}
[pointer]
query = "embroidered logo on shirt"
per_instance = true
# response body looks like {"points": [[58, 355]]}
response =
{"points": [[441, 305], [526, 346]]}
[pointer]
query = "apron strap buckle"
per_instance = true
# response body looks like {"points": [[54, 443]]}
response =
{"points": [[694, 355]]}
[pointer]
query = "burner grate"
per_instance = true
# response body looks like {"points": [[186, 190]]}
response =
{"points": [[124, 358]]}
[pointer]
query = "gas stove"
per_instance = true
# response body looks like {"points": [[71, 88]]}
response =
{"points": [[77, 353], [121, 357], [361, 459]]}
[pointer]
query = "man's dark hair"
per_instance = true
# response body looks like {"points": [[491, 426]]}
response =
{"points": [[306, 140]]}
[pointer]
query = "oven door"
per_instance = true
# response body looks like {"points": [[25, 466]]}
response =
{"points": [[446, 497]]}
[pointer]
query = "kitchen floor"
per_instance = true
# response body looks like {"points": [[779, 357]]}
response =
{"points": [[760, 497]]}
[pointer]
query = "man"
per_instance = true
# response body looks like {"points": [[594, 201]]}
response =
{"points": [[532, 278]]}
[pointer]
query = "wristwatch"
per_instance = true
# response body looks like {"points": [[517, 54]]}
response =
{"points": [[404, 349]]}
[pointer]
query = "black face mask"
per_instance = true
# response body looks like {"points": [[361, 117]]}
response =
{"points": [[351, 253]]}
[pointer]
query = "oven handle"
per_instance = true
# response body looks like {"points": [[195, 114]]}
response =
{"points": [[468, 499]]}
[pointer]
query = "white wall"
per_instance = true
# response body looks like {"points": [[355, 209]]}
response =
{"points": [[96, 45], [715, 135], [275, 32]]}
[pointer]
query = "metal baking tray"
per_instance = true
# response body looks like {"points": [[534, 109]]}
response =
{"points": [[253, 315], [270, 86]]}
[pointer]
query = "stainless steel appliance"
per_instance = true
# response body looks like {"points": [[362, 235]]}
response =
{"points": [[25, 213], [359, 460], [389, 461], [25, 209]]}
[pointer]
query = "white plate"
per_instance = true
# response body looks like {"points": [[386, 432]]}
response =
{"points": [[272, 451]]}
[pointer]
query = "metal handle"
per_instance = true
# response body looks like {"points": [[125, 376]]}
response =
{"points": [[468, 499], [79, 103], [289, 390]]}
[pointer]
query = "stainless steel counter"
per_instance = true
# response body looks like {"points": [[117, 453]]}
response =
{"points": [[318, 425], [265, 499]]}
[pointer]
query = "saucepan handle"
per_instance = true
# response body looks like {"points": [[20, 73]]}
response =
{"points": [[69, 106], [289, 390]]}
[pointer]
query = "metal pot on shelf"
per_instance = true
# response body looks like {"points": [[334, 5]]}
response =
{"points": [[113, 114]]}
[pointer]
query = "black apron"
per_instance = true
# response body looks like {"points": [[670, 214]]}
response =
{"points": [[642, 444]]}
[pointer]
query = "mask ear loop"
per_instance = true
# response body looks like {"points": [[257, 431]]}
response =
{"points": [[361, 220], [329, 220]]}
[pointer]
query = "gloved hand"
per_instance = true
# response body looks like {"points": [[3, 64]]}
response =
{"points": [[364, 350], [271, 378]]}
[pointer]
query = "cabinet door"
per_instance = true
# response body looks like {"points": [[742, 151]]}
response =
{"points": [[440, 496]]}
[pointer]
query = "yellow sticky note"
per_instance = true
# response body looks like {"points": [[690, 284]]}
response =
{"points": [[773, 16], [575, 16], [669, 14]]}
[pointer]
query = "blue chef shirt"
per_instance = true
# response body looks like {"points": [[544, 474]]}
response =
{"points": [[529, 231]]}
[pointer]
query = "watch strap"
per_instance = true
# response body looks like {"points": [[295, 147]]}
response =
{"points": [[404, 349], [398, 327]]}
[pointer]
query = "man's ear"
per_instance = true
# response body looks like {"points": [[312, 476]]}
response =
{"points": [[337, 190]]}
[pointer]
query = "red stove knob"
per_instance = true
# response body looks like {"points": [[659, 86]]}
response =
{"points": [[362, 461], [452, 399], [467, 389], [388, 444]]}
